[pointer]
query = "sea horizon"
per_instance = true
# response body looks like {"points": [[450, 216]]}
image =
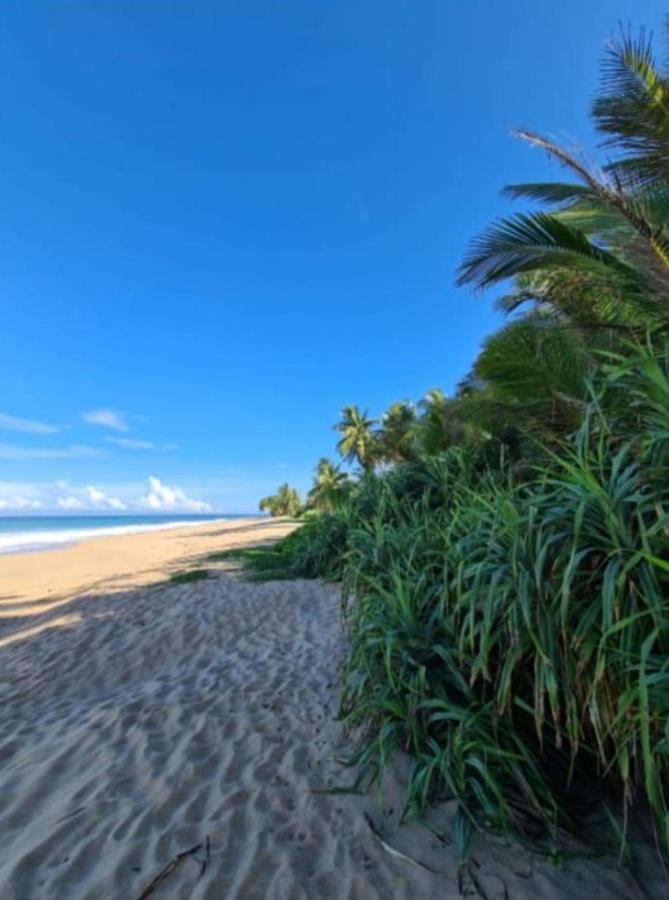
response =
{"points": [[44, 531]]}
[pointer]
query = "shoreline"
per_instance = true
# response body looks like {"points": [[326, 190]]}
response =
{"points": [[30, 541], [34, 583]]}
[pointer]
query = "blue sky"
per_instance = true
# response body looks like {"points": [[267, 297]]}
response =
{"points": [[222, 221]]}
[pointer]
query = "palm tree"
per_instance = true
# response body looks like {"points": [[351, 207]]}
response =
{"points": [[358, 442], [435, 426], [617, 243], [590, 272], [631, 110], [533, 373], [286, 502], [446, 421], [398, 427], [329, 482], [609, 228]]}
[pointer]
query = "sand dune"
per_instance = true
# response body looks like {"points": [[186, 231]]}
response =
{"points": [[160, 719]]}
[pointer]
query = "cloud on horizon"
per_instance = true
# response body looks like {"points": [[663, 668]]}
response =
{"points": [[63, 494], [19, 503], [227, 492], [99, 498], [28, 426], [70, 503], [106, 418], [163, 497]]}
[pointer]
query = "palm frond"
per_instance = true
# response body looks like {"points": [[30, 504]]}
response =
{"points": [[632, 110], [526, 242], [549, 192]]}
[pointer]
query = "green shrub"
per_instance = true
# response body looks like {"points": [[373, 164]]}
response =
{"points": [[189, 576]]}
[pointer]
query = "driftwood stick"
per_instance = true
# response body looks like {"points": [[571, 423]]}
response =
{"points": [[167, 871]]}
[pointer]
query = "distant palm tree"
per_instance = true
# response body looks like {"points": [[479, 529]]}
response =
{"points": [[286, 502], [358, 442], [329, 482], [433, 430], [396, 437]]}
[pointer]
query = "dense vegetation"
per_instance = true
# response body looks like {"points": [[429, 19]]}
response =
{"points": [[503, 552]]}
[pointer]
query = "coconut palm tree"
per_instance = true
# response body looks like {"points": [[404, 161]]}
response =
{"points": [[358, 441], [286, 502], [440, 424], [588, 273], [610, 227], [329, 484], [397, 433], [632, 112], [532, 373], [618, 243]]}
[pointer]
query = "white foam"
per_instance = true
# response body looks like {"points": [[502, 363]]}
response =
{"points": [[19, 541]]}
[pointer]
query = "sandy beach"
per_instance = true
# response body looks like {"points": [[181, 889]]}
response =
{"points": [[179, 741]]}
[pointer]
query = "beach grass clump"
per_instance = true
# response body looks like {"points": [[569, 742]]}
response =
{"points": [[232, 553], [189, 576], [314, 550]]}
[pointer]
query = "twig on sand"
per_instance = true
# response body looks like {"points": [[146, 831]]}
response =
{"points": [[167, 871], [205, 861], [476, 884], [395, 852]]}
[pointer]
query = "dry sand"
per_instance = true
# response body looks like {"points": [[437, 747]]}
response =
{"points": [[141, 722]]}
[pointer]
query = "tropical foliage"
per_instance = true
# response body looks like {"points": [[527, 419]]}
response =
{"points": [[504, 552], [286, 502]]}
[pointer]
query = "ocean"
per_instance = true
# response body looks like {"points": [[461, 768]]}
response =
{"points": [[21, 533]]}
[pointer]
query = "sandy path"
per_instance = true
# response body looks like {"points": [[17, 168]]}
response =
{"points": [[164, 717], [167, 715]]}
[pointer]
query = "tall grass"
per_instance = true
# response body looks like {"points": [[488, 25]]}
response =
{"points": [[510, 632]]}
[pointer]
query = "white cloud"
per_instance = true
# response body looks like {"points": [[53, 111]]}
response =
{"points": [[163, 497], [19, 503], [137, 444], [75, 451], [99, 498], [95, 495], [107, 418], [13, 423], [71, 495], [70, 503], [25, 503]]}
